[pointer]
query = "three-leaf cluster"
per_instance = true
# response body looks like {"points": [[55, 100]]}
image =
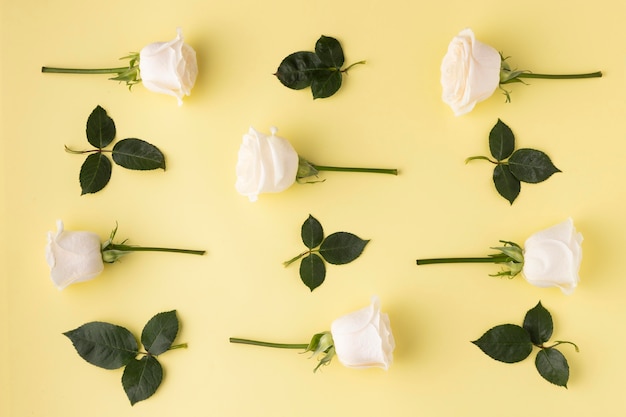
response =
{"points": [[130, 153], [337, 248], [321, 70], [511, 343], [523, 165], [110, 346]]}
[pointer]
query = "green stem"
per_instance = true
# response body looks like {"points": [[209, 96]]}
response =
{"points": [[356, 63], [472, 158], [129, 248], [491, 259], [268, 344], [72, 151], [179, 346], [84, 70], [344, 169], [560, 342], [295, 258], [596, 74]]}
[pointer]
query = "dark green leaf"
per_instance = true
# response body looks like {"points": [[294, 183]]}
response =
{"points": [[329, 51], [296, 71], [325, 83], [506, 343], [342, 247], [138, 154], [312, 232], [100, 128], [530, 165], [103, 344], [538, 323], [95, 173], [312, 271], [159, 333], [501, 141], [141, 378], [553, 366], [507, 185]]}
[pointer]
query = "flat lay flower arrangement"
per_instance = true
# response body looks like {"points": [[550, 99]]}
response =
{"points": [[470, 72]]}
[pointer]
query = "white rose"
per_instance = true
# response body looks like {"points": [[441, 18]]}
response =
{"points": [[266, 164], [552, 257], [169, 67], [73, 256], [363, 339], [470, 72]]}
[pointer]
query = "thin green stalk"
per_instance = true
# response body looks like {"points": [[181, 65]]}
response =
{"points": [[179, 346], [268, 344], [344, 169], [491, 259], [356, 63], [84, 70], [596, 74], [129, 248]]}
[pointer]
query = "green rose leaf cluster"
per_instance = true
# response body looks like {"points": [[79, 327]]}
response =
{"points": [[337, 248], [511, 343], [110, 346], [523, 165], [321, 70], [130, 153]]}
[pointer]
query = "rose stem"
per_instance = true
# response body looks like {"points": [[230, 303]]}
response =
{"points": [[343, 169], [596, 74], [491, 259], [84, 71], [128, 248], [268, 344]]}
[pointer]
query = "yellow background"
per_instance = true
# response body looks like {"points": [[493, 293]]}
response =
{"points": [[388, 114]]}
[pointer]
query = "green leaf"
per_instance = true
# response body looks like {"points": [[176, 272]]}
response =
{"points": [[506, 184], [312, 232], [342, 247], [506, 343], [159, 333], [538, 324], [530, 165], [103, 344], [329, 51], [95, 173], [312, 271], [100, 128], [553, 366], [296, 71], [325, 83], [138, 154], [501, 141], [141, 378]]}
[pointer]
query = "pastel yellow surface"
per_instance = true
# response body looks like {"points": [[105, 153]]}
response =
{"points": [[388, 114]]}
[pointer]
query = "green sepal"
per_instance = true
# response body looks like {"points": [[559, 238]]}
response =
{"points": [[538, 324], [552, 366], [95, 173], [141, 378], [138, 154], [506, 343], [160, 332], [312, 271], [531, 165], [324, 345], [100, 128], [342, 247], [501, 141], [104, 345]]}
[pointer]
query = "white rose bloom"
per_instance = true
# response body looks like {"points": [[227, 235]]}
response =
{"points": [[266, 164], [169, 67], [470, 72], [363, 339], [73, 256], [552, 257]]}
